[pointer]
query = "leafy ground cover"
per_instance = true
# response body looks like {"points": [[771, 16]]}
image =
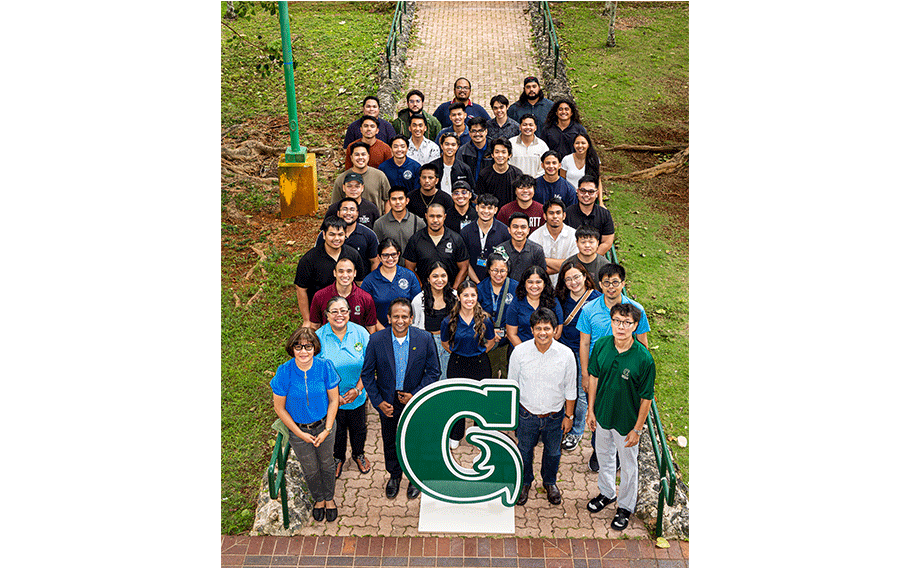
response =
{"points": [[637, 93]]}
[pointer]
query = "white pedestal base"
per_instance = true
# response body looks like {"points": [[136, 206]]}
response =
{"points": [[440, 517]]}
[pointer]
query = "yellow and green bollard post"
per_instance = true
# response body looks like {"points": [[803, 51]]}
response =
{"points": [[296, 169]]}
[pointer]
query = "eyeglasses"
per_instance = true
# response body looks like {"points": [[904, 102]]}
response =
{"points": [[622, 324], [341, 312], [611, 283], [587, 191], [388, 255], [576, 278], [460, 192], [462, 88], [498, 271], [307, 347], [477, 131]]}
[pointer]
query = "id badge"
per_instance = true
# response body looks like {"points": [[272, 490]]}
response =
{"points": [[481, 262]]}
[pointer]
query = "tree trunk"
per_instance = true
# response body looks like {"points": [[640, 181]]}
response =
{"points": [[610, 12]]}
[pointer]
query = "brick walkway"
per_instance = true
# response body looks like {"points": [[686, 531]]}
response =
{"points": [[450, 551], [489, 43]]}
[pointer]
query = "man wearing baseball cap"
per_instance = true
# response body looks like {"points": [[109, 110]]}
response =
{"points": [[353, 188], [463, 212], [531, 101]]}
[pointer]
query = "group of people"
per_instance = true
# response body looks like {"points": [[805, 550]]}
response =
{"points": [[473, 248]]}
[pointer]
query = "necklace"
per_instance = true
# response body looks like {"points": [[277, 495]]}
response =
{"points": [[425, 202]]}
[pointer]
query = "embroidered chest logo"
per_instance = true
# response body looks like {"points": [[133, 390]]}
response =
{"points": [[626, 374], [403, 283], [358, 347], [407, 174], [508, 298], [449, 247], [357, 310]]}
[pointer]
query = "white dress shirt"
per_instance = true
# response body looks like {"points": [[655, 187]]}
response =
{"points": [[562, 247], [427, 152], [545, 380], [527, 158]]}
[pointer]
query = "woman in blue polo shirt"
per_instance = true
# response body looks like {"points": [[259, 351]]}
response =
{"points": [[343, 343], [305, 398], [389, 282], [574, 288], [534, 291], [467, 333], [495, 303]]}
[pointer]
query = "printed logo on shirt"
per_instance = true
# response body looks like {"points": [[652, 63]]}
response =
{"points": [[357, 310], [449, 247], [403, 283], [358, 347], [626, 374], [508, 298], [407, 174]]}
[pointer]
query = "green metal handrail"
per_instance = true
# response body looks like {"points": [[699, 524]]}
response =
{"points": [[664, 465], [392, 42], [277, 483], [552, 40]]}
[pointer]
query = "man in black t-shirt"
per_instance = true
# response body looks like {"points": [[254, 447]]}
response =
{"points": [[428, 193], [315, 270], [437, 242], [588, 212]]}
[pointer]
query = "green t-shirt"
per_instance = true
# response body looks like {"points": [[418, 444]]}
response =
{"points": [[624, 380]]}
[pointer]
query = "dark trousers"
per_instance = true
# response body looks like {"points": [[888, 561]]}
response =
{"points": [[389, 427], [460, 367], [353, 420]]}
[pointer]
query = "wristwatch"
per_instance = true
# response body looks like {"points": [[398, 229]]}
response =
{"points": [[570, 416], [638, 431]]}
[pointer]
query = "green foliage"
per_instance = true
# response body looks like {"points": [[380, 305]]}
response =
{"points": [[637, 91], [336, 51]]}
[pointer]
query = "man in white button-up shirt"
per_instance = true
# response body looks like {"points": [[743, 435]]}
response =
{"points": [[421, 149], [528, 148], [545, 372], [556, 238]]}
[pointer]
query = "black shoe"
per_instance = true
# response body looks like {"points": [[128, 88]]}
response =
{"points": [[617, 461], [412, 491], [621, 520], [331, 514], [391, 488], [592, 463], [318, 513], [523, 496], [553, 494], [597, 504]]}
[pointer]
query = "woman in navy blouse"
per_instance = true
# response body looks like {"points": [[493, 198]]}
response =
{"points": [[534, 291], [467, 333], [496, 292], [389, 281], [305, 397]]}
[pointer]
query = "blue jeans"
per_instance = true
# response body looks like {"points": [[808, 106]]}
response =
{"points": [[581, 403], [443, 357], [530, 430]]}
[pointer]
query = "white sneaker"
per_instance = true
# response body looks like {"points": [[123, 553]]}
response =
{"points": [[570, 442], [453, 443]]}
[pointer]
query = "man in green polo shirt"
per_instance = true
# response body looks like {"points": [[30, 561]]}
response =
{"points": [[621, 384]]}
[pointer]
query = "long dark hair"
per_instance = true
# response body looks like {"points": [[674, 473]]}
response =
{"points": [[551, 115], [562, 290], [479, 315], [592, 160], [448, 293], [547, 295]]}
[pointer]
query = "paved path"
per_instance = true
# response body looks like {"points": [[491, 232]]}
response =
{"points": [[489, 43], [449, 551]]}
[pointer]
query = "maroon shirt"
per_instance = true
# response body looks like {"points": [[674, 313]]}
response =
{"points": [[363, 310], [535, 212]]}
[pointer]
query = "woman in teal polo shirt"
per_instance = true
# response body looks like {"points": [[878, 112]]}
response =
{"points": [[343, 343]]}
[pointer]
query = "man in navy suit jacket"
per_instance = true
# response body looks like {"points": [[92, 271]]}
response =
{"points": [[399, 361]]}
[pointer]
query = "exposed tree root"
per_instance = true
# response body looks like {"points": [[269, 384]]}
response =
{"points": [[646, 148], [673, 165]]}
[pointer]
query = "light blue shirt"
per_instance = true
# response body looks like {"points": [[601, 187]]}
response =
{"points": [[400, 350], [595, 319], [347, 356]]}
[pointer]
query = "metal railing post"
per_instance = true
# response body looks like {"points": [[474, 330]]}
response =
{"points": [[294, 153], [664, 465]]}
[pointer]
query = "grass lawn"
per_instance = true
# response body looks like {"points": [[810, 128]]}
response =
{"points": [[637, 93]]}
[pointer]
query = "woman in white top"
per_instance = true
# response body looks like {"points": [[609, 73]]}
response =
{"points": [[583, 160], [432, 305]]}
